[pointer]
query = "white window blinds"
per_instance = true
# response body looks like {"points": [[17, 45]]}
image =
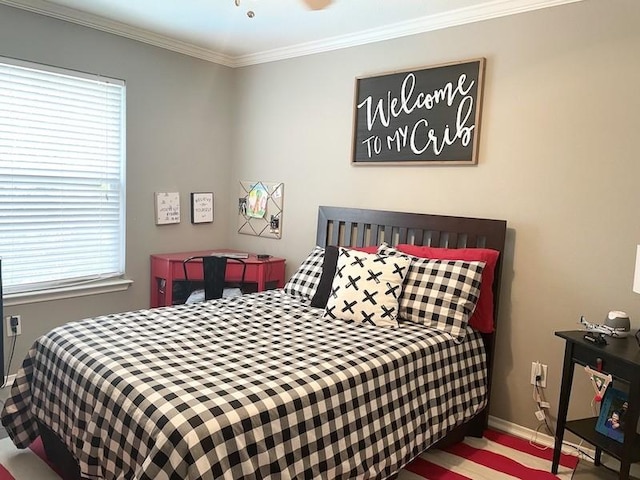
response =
{"points": [[62, 151]]}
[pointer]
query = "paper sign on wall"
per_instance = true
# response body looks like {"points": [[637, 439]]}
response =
{"points": [[167, 208]]}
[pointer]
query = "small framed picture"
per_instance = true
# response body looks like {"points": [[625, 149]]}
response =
{"points": [[201, 207], [613, 411], [167, 208]]}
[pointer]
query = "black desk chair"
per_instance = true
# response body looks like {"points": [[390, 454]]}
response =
{"points": [[214, 272]]}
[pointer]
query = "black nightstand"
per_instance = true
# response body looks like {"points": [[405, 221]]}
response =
{"points": [[620, 358]]}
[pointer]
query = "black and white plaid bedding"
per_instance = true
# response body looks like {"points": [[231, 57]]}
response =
{"points": [[251, 387]]}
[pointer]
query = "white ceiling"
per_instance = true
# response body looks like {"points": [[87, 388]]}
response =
{"points": [[220, 31]]}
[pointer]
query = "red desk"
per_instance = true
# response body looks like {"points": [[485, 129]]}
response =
{"points": [[167, 268]]}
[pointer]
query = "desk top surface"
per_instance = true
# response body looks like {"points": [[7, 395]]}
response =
{"points": [[180, 256]]}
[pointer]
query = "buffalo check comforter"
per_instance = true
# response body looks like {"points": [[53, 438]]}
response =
{"points": [[255, 387]]}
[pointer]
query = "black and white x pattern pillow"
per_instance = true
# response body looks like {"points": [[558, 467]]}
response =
{"points": [[439, 293], [366, 288]]}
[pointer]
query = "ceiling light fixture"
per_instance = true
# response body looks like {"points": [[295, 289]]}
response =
{"points": [[311, 4], [250, 13]]}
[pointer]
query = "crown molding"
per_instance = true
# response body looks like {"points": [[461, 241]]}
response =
{"points": [[96, 22], [462, 16]]}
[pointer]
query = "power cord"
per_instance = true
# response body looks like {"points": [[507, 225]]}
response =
{"points": [[533, 441], [541, 415], [13, 349], [542, 404]]}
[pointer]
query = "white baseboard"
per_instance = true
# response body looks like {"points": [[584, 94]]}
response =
{"points": [[541, 439], [9, 381]]}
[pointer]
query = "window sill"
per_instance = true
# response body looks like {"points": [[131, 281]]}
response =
{"points": [[61, 293]]}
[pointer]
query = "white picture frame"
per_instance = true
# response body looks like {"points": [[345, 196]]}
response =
{"points": [[167, 208]]}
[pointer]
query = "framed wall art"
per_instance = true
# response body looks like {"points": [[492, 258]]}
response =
{"points": [[260, 207], [167, 208], [424, 116], [201, 207], [611, 421]]}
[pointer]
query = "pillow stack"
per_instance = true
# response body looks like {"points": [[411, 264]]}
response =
{"points": [[442, 288]]}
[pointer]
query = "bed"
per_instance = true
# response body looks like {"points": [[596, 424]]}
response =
{"points": [[267, 385]]}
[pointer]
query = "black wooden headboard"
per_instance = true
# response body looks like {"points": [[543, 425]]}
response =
{"points": [[358, 227]]}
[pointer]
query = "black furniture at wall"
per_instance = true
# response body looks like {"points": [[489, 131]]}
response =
{"points": [[621, 358]]}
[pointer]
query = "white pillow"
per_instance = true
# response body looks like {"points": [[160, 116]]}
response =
{"points": [[366, 288]]}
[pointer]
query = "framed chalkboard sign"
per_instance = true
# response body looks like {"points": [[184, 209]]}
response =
{"points": [[427, 116]]}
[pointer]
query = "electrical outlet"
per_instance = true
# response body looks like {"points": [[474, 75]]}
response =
{"points": [[539, 370], [14, 325]]}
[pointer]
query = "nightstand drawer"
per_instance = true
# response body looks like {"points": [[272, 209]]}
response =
{"points": [[588, 355]]}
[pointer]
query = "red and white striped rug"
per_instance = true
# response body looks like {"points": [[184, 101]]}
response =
{"points": [[497, 456]]}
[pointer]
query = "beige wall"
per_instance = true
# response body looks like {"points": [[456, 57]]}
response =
{"points": [[179, 120], [557, 161]]}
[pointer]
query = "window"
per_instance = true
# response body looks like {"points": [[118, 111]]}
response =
{"points": [[62, 190]]}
